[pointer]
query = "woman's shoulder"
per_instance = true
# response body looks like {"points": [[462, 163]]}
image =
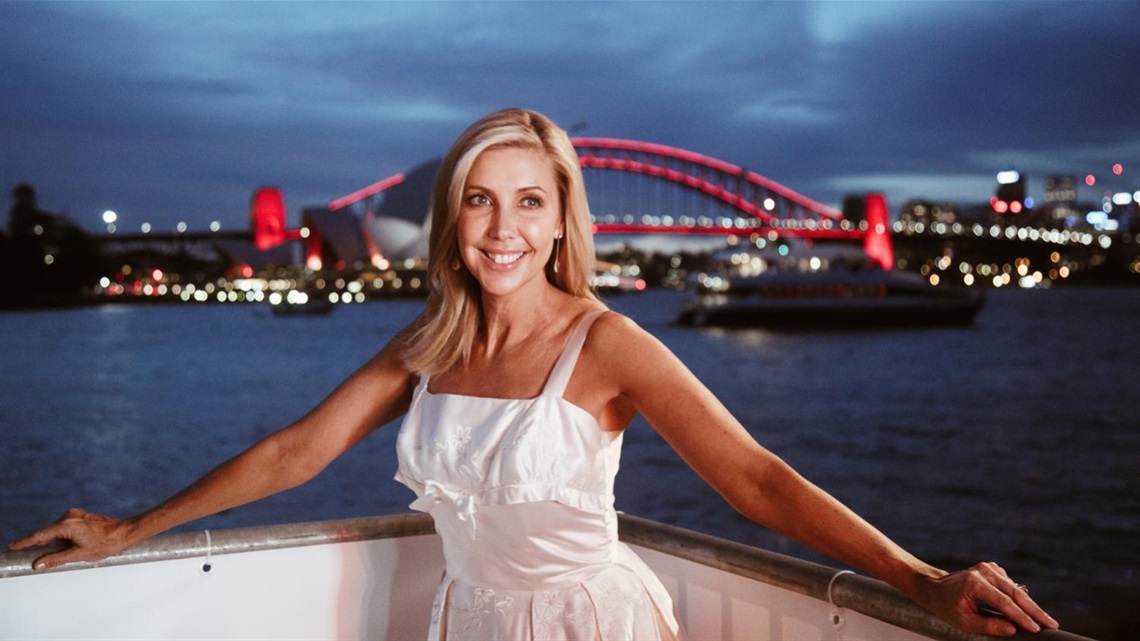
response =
{"points": [[611, 324], [616, 338]]}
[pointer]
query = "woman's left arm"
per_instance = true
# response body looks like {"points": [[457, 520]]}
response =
{"points": [[644, 375]]}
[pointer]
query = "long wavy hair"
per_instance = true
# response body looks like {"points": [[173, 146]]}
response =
{"points": [[446, 330]]}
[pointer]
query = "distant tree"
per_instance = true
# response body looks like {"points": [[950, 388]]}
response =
{"points": [[47, 259]]}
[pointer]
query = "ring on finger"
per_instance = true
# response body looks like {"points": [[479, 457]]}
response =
{"points": [[1022, 587]]}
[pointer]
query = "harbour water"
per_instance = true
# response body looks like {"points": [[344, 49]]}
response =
{"points": [[1015, 440]]}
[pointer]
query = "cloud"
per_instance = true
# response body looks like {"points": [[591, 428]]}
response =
{"points": [[197, 103]]}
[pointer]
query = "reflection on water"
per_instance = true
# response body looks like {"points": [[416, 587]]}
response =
{"points": [[1014, 440]]}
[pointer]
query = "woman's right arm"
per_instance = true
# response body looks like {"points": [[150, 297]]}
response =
{"points": [[378, 392]]}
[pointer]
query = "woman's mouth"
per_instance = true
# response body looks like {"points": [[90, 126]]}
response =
{"points": [[504, 258]]}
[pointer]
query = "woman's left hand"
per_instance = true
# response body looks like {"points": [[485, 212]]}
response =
{"points": [[985, 600]]}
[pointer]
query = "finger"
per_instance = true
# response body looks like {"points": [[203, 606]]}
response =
{"points": [[40, 537], [1018, 595], [1028, 605], [993, 572], [56, 559], [990, 624], [1005, 604], [58, 530]]}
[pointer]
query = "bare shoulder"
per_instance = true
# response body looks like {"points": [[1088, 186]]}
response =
{"points": [[611, 329], [618, 345]]}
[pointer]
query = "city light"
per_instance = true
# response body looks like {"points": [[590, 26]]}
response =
{"points": [[1008, 177], [1118, 169], [110, 217]]}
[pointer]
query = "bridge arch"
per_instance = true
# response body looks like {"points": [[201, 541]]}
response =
{"points": [[751, 194], [752, 202]]}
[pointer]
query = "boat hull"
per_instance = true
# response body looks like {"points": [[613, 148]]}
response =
{"points": [[851, 313], [312, 307], [863, 299], [375, 578]]}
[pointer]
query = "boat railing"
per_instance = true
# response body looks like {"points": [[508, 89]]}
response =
{"points": [[841, 588], [199, 545], [835, 591]]}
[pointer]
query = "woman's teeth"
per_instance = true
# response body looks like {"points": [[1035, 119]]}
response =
{"points": [[505, 259]]}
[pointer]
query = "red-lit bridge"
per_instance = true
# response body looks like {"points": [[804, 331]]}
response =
{"points": [[640, 187], [736, 201]]}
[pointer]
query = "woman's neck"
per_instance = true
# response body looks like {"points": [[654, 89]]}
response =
{"points": [[509, 320]]}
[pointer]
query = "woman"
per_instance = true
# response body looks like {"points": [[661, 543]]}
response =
{"points": [[517, 384]]}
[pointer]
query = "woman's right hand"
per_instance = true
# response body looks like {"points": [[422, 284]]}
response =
{"points": [[92, 537]]}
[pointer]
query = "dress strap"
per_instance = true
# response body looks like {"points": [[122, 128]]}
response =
{"points": [[421, 386], [560, 375]]}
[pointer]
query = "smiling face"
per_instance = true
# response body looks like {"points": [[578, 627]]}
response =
{"points": [[510, 214]]}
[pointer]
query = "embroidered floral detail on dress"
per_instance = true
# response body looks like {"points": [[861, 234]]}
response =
{"points": [[456, 450], [484, 604], [613, 602], [547, 608], [458, 442]]}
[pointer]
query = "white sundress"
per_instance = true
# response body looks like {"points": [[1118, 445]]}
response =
{"points": [[521, 492]]}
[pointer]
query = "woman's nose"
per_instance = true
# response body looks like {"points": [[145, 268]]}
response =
{"points": [[503, 223]]}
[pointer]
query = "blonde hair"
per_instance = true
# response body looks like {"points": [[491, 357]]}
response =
{"points": [[445, 332]]}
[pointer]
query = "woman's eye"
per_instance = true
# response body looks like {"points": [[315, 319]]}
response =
{"points": [[531, 201], [478, 200]]}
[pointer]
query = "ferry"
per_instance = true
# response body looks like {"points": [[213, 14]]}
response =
{"points": [[375, 578], [298, 303], [820, 288]]}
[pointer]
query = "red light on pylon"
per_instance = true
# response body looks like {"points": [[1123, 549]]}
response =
{"points": [[1118, 169], [267, 217], [877, 243], [1090, 180]]}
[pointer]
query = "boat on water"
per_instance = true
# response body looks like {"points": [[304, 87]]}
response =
{"points": [[375, 578], [800, 287], [298, 303]]}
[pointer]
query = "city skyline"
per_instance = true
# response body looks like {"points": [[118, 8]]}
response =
{"points": [[172, 112]]}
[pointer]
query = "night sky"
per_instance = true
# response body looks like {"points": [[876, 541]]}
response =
{"points": [[170, 111]]}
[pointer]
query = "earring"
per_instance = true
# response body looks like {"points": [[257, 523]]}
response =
{"points": [[454, 264], [557, 244]]}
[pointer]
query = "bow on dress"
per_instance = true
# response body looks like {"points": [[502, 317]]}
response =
{"points": [[435, 493]]}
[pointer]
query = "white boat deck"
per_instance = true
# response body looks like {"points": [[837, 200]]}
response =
{"points": [[374, 578]]}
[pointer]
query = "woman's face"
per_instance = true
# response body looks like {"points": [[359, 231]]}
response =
{"points": [[508, 218]]}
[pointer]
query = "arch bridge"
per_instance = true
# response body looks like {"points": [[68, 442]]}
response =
{"points": [[638, 187]]}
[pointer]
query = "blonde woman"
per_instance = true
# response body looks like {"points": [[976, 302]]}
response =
{"points": [[517, 383]]}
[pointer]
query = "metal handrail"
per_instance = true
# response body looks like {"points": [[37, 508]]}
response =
{"points": [[231, 541], [858, 593], [862, 594]]}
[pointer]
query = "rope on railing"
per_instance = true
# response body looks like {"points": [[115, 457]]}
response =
{"points": [[836, 614], [207, 566]]}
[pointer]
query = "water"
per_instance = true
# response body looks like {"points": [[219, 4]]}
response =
{"points": [[1015, 440]]}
